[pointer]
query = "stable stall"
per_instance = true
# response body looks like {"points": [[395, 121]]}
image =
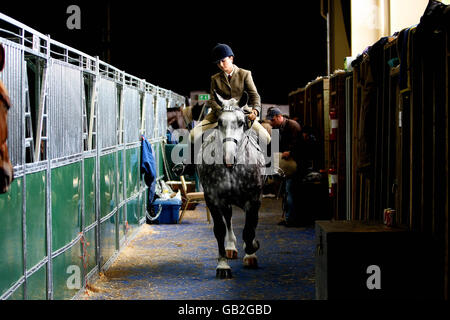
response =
{"points": [[75, 143]]}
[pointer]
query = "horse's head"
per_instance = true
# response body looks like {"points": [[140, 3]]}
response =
{"points": [[6, 169], [231, 124]]}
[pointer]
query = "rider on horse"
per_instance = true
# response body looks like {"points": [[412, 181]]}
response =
{"points": [[232, 82]]}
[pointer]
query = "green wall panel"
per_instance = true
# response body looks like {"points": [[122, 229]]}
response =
{"points": [[107, 239], [91, 258], [66, 204], [62, 273], [36, 218], [11, 258], [66, 221], [121, 223], [37, 285], [144, 198], [89, 191], [133, 159], [107, 184], [18, 294], [141, 206], [132, 213], [120, 173], [160, 160]]}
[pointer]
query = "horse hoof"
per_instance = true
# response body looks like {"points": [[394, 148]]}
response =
{"points": [[231, 254], [250, 261], [223, 274]]}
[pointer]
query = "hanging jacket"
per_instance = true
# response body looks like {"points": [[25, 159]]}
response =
{"points": [[148, 168]]}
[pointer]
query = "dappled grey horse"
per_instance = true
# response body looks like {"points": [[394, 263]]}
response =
{"points": [[230, 164]]}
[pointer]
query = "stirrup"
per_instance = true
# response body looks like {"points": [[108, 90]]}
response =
{"points": [[179, 169]]}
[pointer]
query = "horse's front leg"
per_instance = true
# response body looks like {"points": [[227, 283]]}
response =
{"points": [[218, 213], [251, 245], [230, 238]]}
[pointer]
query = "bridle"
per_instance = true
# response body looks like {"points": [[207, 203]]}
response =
{"points": [[231, 109], [230, 140]]}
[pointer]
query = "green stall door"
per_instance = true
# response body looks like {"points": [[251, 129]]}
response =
{"points": [[142, 205], [160, 161], [66, 204], [37, 285], [11, 257], [89, 191], [120, 173], [107, 184], [90, 261], [36, 218], [18, 294], [132, 214], [121, 223], [107, 239], [133, 163], [67, 273]]}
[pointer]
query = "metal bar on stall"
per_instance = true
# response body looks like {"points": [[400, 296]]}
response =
{"points": [[121, 111], [124, 158], [92, 113], [143, 113], [82, 140], [13, 289], [35, 268], [24, 178], [67, 246], [42, 111], [48, 189], [116, 159], [21, 26], [118, 206], [97, 179]]}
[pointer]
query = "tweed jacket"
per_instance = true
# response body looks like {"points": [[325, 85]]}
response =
{"points": [[240, 81]]}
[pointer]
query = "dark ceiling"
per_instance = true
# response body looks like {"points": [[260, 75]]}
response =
{"points": [[169, 44]]}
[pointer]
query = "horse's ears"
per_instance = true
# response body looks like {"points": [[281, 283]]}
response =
{"points": [[219, 99], [244, 100], [2, 57]]}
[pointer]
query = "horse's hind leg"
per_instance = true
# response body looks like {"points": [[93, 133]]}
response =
{"points": [[251, 245]]}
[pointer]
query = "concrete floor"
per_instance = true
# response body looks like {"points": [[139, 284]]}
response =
{"points": [[178, 262]]}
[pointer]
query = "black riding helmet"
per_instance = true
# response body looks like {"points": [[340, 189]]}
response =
{"points": [[220, 52]]}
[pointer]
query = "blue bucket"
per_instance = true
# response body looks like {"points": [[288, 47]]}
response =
{"points": [[170, 210]]}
